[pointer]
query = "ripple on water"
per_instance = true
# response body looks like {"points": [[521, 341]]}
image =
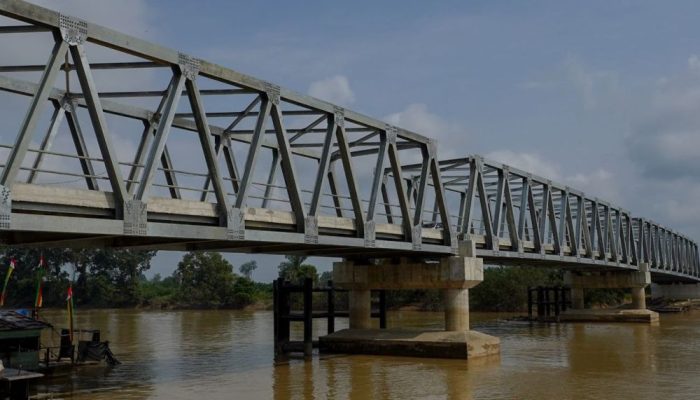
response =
{"points": [[228, 354]]}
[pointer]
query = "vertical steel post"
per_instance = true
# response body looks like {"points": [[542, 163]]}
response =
{"points": [[331, 308], [382, 309], [308, 321]]}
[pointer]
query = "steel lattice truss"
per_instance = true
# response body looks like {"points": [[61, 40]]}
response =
{"points": [[514, 215], [125, 143]]}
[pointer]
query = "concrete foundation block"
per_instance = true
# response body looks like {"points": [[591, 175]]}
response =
{"points": [[610, 315], [411, 343]]}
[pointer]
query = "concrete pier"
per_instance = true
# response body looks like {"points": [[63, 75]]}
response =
{"points": [[360, 303], [454, 276], [636, 281], [456, 303]]}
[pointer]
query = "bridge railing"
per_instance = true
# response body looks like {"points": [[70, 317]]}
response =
{"points": [[147, 123], [518, 216]]}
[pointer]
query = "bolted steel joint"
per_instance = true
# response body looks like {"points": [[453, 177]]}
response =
{"points": [[311, 230], [5, 207], [273, 93], [339, 113], [74, 31], [370, 232], [391, 134], [432, 149], [135, 218], [235, 229], [189, 66]]}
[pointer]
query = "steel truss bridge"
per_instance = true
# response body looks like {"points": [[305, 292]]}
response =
{"points": [[109, 140]]}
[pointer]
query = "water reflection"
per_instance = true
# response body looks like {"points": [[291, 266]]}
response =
{"points": [[229, 354]]}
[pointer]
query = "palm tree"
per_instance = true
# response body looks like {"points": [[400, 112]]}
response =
{"points": [[293, 269]]}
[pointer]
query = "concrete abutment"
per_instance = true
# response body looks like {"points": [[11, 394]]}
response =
{"points": [[454, 276], [635, 280]]}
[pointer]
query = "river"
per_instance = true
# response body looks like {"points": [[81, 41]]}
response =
{"points": [[229, 355]]}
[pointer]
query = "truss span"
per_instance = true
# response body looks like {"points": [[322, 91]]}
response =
{"points": [[109, 140]]}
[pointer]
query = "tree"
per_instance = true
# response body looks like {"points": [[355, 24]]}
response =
{"points": [[293, 269], [325, 277], [205, 279], [247, 268], [116, 276], [22, 287]]}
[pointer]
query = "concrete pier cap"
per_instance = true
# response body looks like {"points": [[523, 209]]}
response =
{"points": [[635, 280], [454, 276]]}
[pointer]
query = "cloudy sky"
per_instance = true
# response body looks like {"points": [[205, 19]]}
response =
{"points": [[600, 95]]}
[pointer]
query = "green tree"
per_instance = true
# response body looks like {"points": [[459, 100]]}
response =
{"points": [[22, 286], [205, 279], [116, 276], [325, 277], [247, 268], [505, 288], [293, 269]]}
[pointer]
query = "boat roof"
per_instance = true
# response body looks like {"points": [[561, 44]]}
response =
{"points": [[11, 320]]}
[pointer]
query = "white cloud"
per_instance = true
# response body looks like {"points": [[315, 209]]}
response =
{"points": [[451, 137], [335, 89], [598, 183], [694, 63], [527, 162], [665, 136], [593, 86]]}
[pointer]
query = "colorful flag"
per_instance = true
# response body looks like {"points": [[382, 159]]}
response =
{"points": [[69, 305], [39, 300], [7, 280]]}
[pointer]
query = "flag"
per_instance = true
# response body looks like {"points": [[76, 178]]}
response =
{"points": [[39, 300], [69, 305], [7, 280]]}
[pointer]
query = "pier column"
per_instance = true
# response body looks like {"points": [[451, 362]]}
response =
{"points": [[456, 303], [452, 275], [636, 281], [639, 298], [577, 297], [360, 303]]}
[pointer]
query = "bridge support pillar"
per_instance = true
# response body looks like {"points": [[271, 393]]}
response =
{"points": [[453, 276], [360, 304], [456, 303], [639, 298], [636, 281], [577, 298]]}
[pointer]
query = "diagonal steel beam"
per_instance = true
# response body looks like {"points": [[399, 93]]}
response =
{"points": [[104, 141], [41, 95], [287, 166], [350, 178], [323, 165], [162, 132], [422, 185], [56, 118], [207, 147], [81, 147], [271, 176], [253, 151]]}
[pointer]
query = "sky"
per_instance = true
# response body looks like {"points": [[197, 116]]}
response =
{"points": [[599, 95]]}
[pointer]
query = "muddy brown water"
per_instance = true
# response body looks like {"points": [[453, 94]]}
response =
{"points": [[229, 355]]}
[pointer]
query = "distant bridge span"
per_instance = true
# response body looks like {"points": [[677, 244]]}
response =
{"points": [[109, 140]]}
